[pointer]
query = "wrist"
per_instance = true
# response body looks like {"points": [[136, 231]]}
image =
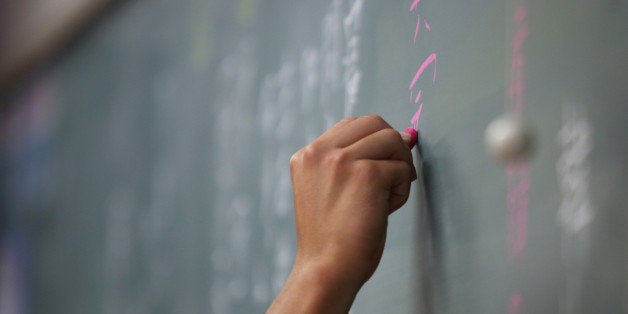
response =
{"points": [[316, 288]]}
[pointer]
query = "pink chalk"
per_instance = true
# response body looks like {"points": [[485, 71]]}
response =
{"points": [[516, 304], [517, 204], [429, 60], [518, 172], [414, 136], [416, 117], [427, 25], [418, 96], [414, 4], [416, 29]]}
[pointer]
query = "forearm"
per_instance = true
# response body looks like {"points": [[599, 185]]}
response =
{"points": [[315, 289]]}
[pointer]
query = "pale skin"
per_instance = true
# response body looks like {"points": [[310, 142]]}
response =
{"points": [[345, 184]]}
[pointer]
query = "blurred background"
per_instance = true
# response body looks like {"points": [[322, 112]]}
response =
{"points": [[144, 150]]}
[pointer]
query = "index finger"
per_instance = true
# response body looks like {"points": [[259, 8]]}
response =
{"points": [[386, 144], [354, 130]]}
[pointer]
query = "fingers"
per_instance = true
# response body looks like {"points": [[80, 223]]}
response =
{"points": [[397, 178], [382, 155], [382, 145], [335, 129], [349, 131], [341, 123], [410, 136], [407, 138], [400, 180]]}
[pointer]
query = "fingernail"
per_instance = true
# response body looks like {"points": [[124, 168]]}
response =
{"points": [[407, 138]]}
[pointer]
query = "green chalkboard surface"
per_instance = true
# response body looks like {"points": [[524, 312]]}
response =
{"points": [[147, 167]]}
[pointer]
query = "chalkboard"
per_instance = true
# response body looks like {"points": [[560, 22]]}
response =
{"points": [[146, 169]]}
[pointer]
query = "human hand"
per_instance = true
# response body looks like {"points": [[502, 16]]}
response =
{"points": [[345, 185]]}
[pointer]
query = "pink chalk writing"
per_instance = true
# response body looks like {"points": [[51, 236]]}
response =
{"points": [[427, 25], [416, 29], [418, 96], [414, 4], [520, 14], [515, 304], [517, 203], [415, 118], [427, 62], [518, 172], [516, 90], [418, 26]]}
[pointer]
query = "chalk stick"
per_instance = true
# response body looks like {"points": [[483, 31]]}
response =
{"points": [[414, 136]]}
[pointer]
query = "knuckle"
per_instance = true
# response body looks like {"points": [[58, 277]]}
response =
{"points": [[406, 167], [309, 153], [391, 134], [402, 165], [376, 119], [336, 158], [313, 150], [306, 156], [373, 117], [347, 119], [366, 171], [296, 160]]}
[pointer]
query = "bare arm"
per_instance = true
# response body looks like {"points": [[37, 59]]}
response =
{"points": [[345, 185]]}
